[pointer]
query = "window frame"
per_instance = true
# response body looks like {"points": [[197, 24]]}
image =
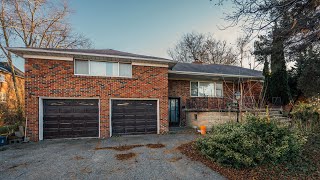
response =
{"points": [[3, 97], [222, 92], [89, 69], [214, 89]]}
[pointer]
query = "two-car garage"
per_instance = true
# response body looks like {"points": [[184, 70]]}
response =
{"points": [[75, 118]]}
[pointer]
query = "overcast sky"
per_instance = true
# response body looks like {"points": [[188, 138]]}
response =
{"points": [[148, 27]]}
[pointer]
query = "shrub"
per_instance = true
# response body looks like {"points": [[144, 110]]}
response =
{"points": [[6, 130], [306, 116], [252, 143], [11, 116]]}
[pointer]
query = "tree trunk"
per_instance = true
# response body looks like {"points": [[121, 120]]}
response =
{"points": [[14, 80]]}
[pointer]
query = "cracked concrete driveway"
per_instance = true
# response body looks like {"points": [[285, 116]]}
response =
{"points": [[89, 159]]}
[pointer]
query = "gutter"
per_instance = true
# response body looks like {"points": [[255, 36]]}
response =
{"points": [[212, 74], [17, 50]]}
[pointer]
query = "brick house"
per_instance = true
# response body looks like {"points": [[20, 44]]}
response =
{"points": [[102, 93], [7, 94]]}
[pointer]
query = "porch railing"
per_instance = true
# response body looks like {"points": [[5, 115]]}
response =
{"points": [[213, 103]]}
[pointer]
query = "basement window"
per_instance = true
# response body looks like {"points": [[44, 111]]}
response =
{"points": [[102, 68], [206, 89]]}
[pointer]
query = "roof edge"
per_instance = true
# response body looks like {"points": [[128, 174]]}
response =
{"points": [[19, 51], [212, 74]]}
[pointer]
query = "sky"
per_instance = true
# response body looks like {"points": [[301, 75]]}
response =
{"points": [[148, 27]]}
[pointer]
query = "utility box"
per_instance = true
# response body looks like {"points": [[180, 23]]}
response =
{"points": [[3, 140]]}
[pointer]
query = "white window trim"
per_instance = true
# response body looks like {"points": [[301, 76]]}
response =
{"points": [[89, 64], [214, 88]]}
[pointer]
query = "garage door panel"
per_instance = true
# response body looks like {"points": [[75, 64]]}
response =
{"points": [[51, 110], [92, 110], [134, 117], [65, 109], [70, 118]]}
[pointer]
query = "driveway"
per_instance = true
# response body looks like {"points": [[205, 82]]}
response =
{"points": [[96, 159]]}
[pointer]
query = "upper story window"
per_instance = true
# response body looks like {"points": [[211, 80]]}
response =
{"points": [[206, 89], [102, 68]]}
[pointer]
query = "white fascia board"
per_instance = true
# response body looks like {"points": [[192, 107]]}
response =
{"points": [[149, 64], [21, 50], [27, 56], [211, 74]]}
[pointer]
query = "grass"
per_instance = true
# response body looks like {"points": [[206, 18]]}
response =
{"points": [[306, 166]]}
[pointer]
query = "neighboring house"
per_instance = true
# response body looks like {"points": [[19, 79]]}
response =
{"points": [[7, 92], [102, 93]]}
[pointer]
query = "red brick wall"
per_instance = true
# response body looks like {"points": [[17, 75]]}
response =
{"points": [[52, 78], [181, 89]]}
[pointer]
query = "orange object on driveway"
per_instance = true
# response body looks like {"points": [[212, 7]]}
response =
{"points": [[203, 130]]}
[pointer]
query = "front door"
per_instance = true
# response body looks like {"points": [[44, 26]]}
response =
{"points": [[174, 111]]}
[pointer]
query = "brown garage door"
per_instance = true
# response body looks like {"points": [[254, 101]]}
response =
{"points": [[70, 118], [134, 117]]}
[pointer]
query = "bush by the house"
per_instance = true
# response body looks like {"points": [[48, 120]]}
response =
{"points": [[11, 116], [306, 116], [251, 143]]}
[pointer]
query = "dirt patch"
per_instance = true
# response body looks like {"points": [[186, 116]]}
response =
{"points": [[77, 158], [158, 145], [127, 156], [174, 159], [120, 148]]}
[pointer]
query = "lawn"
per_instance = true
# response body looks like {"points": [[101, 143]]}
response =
{"points": [[306, 166]]}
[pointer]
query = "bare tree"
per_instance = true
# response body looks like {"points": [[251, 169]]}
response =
{"points": [[196, 46], [241, 44], [261, 16], [37, 24]]}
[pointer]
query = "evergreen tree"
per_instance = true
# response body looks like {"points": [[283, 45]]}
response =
{"points": [[262, 51], [279, 77], [309, 77], [266, 74]]}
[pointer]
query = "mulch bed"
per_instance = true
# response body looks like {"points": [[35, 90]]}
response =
{"points": [[306, 167], [155, 145], [127, 156], [120, 148]]}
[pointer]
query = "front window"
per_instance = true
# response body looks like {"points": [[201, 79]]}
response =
{"points": [[3, 97], [219, 89], [206, 89], [194, 88], [102, 68], [2, 78]]}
